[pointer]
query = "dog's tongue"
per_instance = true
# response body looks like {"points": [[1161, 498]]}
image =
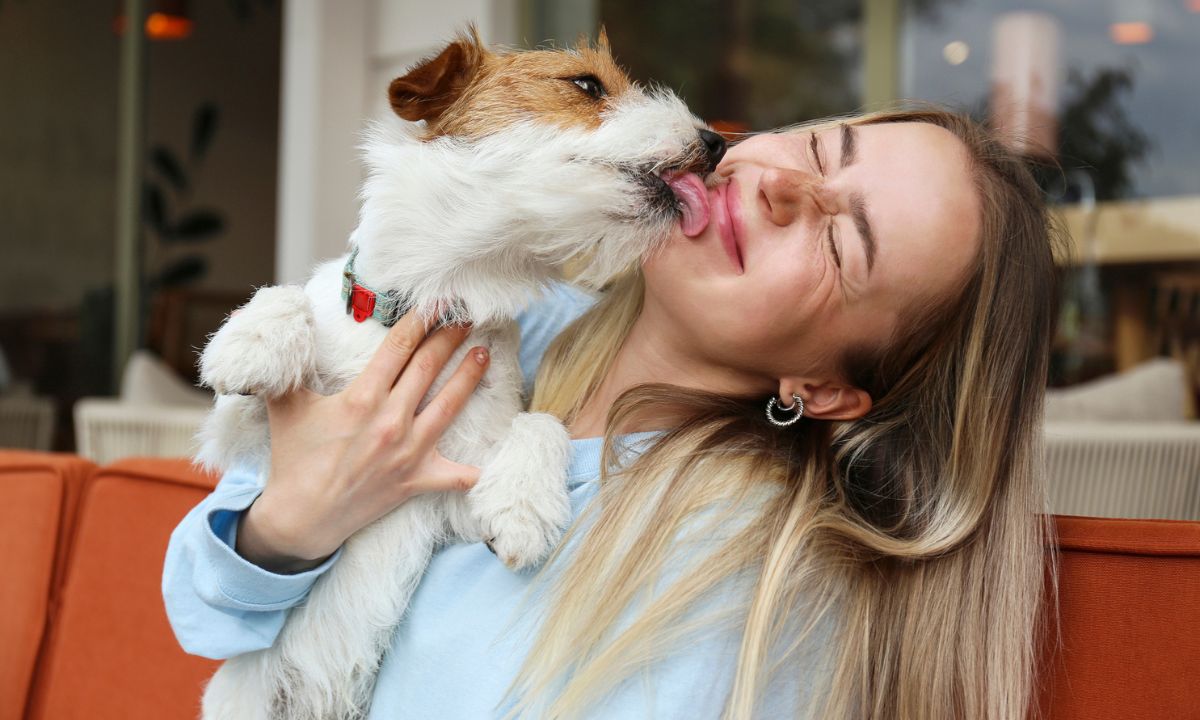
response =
{"points": [[692, 195]]}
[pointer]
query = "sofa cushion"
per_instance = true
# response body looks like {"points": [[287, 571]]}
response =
{"points": [[110, 652], [1158, 390], [38, 494], [1130, 621]]}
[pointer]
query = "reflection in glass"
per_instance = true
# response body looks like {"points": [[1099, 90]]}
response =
{"points": [[756, 65], [1128, 95]]}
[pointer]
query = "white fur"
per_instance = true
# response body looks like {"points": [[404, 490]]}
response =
{"points": [[486, 224], [276, 329]]}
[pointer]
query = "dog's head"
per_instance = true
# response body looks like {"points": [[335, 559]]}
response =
{"points": [[601, 151], [469, 91]]}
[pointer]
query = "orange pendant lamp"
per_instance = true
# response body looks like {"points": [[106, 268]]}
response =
{"points": [[167, 20]]}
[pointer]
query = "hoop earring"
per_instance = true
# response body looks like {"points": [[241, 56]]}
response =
{"points": [[797, 405]]}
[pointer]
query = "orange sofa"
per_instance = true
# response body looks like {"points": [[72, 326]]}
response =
{"points": [[83, 633]]}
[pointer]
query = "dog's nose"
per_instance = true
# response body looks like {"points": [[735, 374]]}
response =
{"points": [[715, 144]]}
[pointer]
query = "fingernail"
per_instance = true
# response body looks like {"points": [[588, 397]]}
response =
{"points": [[481, 355]]}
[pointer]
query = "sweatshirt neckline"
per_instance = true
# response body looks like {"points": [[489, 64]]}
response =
{"points": [[586, 452]]}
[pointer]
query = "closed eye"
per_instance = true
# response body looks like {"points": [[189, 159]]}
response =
{"points": [[816, 152], [837, 258]]}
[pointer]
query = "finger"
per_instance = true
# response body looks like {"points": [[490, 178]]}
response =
{"points": [[441, 411], [447, 476], [391, 357], [424, 368]]}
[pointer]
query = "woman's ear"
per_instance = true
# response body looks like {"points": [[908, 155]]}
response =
{"points": [[431, 87], [826, 400]]}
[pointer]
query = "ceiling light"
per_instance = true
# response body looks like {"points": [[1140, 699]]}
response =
{"points": [[958, 51], [1131, 33], [167, 20]]}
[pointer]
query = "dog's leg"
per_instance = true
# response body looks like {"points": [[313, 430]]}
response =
{"points": [[521, 499], [234, 431], [243, 688], [324, 663], [267, 348]]}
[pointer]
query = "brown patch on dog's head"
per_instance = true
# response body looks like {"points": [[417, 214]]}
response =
{"points": [[468, 91], [437, 82]]}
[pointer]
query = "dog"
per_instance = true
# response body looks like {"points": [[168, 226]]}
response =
{"points": [[496, 171]]}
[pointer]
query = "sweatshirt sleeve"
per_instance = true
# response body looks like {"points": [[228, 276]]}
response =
{"points": [[219, 604]]}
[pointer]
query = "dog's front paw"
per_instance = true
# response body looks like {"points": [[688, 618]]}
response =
{"points": [[523, 539], [521, 500], [522, 533], [265, 348]]}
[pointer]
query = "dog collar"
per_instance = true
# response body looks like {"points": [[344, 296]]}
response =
{"points": [[365, 302]]}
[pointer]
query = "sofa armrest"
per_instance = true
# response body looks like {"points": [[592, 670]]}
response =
{"points": [[39, 493], [1129, 622], [110, 649]]}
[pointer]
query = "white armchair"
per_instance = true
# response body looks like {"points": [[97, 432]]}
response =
{"points": [[1126, 469], [1124, 446], [157, 414], [26, 421]]}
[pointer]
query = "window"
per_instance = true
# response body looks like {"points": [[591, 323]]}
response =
{"points": [[1112, 86], [752, 65]]}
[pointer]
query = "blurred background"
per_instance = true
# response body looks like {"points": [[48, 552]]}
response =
{"points": [[161, 159]]}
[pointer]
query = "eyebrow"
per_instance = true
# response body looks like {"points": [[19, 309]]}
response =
{"points": [[858, 204]]}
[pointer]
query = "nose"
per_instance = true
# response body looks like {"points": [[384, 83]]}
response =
{"points": [[791, 193], [714, 146]]}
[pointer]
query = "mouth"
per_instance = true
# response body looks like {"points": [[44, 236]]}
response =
{"points": [[697, 206], [727, 217]]}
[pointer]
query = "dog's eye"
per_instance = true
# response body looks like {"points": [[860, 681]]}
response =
{"points": [[590, 85]]}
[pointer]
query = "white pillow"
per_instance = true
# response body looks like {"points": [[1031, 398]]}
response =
{"points": [[148, 380], [1155, 391]]}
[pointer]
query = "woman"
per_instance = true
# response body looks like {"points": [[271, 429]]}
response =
{"points": [[831, 508]]}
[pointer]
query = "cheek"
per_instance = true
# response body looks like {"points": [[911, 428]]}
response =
{"points": [[753, 321], [710, 310], [770, 315], [793, 304], [670, 260]]}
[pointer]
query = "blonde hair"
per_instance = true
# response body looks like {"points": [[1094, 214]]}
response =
{"points": [[917, 530]]}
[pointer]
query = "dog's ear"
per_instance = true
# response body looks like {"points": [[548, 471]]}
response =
{"points": [[435, 83], [583, 41]]}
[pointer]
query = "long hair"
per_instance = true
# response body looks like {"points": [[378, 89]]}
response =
{"points": [[906, 550]]}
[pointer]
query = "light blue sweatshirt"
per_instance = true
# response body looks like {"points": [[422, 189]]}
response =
{"points": [[471, 622]]}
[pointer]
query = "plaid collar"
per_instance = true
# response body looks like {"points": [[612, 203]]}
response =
{"points": [[365, 302]]}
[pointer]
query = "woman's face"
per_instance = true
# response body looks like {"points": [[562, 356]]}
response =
{"points": [[815, 243]]}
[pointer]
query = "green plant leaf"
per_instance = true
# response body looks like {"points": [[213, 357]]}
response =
{"points": [[182, 271], [204, 128], [168, 166], [199, 225], [154, 209]]}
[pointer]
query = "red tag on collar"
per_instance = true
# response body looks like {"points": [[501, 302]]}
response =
{"points": [[362, 302]]}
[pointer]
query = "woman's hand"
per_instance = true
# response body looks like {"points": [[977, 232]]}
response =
{"points": [[340, 462]]}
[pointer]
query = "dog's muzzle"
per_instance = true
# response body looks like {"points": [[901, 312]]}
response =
{"points": [[702, 158]]}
